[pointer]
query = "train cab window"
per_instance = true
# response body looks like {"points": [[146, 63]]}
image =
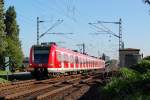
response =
{"points": [[41, 54]]}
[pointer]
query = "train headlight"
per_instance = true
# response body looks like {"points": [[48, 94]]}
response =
{"points": [[50, 64]]}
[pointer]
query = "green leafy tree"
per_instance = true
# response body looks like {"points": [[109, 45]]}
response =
{"points": [[14, 50], [3, 43]]}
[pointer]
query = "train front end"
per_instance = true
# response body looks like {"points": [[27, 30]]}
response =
{"points": [[39, 57]]}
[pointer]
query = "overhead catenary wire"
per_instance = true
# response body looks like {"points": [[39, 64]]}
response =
{"points": [[54, 25]]}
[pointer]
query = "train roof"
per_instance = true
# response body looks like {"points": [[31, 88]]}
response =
{"points": [[75, 52], [64, 49]]}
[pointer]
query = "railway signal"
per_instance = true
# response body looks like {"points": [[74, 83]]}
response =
{"points": [[7, 65]]}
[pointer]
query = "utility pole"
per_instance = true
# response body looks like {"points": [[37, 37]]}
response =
{"points": [[121, 45], [38, 36], [37, 30], [83, 47]]}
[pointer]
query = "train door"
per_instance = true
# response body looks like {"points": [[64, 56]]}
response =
{"points": [[58, 59], [62, 61]]}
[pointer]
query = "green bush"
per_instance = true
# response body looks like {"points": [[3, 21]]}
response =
{"points": [[129, 74], [147, 58], [142, 67], [133, 83]]}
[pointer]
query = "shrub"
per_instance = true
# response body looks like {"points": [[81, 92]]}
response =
{"points": [[147, 58], [133, 84], [142, 67]]}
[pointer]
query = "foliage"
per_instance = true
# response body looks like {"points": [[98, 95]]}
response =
{"points": [[4, 72], [14, 50], [3, 80], [14, 54], [147, 58], [10, 44], [131, 85], [142, 67], [3, 43], [147, 1]]}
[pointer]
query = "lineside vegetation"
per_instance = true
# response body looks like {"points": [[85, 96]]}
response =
{"points": [[10, 45], [132, 84]]}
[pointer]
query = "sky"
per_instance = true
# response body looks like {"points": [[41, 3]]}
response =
{"points": [[76, 14]]}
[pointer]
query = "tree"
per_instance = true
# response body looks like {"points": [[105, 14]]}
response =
{"points": [[14, 50], [147, 58], [3, 43], [147, 1]]}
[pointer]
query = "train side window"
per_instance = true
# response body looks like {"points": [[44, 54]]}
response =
{"points": [[79, 60], [82, 60], [71, 59], [93, 63], [58, 56], [65, 57], [86, 62], [62, 57], [76, 59]]}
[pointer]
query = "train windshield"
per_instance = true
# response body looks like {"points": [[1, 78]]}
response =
{"points": [[41, 55]]}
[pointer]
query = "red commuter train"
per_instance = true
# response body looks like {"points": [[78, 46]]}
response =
{"points": [[50, 59]]}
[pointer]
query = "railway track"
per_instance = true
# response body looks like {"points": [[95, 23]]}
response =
{"points": [[14, 90], [63, 89], [45, 89], [15, 84]]}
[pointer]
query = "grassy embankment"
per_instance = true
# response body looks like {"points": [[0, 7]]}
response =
{"points": [[3, 80], [132, 84]]}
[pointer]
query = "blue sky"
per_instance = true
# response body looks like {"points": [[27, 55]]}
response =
{"points": [[76, 15]]}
